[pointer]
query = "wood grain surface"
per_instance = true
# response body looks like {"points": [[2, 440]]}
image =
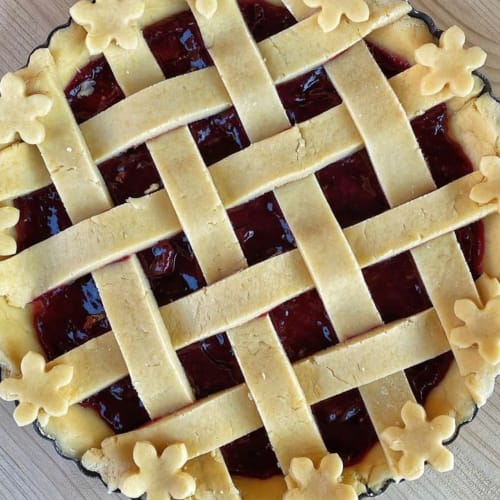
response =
{"points": [[29, 466]]}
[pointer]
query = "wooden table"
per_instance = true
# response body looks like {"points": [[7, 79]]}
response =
{"points": [[29, 466]]}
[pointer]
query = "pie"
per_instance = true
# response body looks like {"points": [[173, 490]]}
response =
{"points": [[250, 249]]}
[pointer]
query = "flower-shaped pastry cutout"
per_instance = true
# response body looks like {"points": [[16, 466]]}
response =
{"points": [[19, 112], [489, 189], [305, 482], [450, 64], [333, 10], [420, 441], [481, 327], [9, 217], [161, 477], [206, 8], [37, 390], [109, 20]]}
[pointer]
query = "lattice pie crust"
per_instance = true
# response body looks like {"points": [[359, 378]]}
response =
{"points": [[178, 453]]}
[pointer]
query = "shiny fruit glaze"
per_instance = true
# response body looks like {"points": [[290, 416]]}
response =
{"points": [[72, 314]]}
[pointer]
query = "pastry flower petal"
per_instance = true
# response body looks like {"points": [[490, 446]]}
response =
{"points": [[420, 441], [333, 10], [489, 189], [19, 112], [206, 8], [109, 20], [307, 483], [161, 477], [481, 327], [9, 217], [37, 390], [450, 64]]}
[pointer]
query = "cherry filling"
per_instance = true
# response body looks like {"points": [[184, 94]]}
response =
{"points": [[84, 317], [264, 19], [308, 95], [177, 45], [130, 175], [42, 215], [219, 136], [303, 326], [352, 189], [110, 404], [73, 314], [200, 359], [261, 229], [345, 426], [172, 269], [92, 90]]}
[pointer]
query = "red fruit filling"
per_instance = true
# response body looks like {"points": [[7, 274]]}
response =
{"points": [[219, 136], [42, 215], [92, 90], [177, 45], [73, 314], [131, 174]]}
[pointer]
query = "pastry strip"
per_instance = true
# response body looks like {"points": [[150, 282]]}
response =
{"points": [[238, 61], [197, 204], [152, 112], [292, 154], [412, 224], [157, 10], [298, 9], [417, 221], [237, 299], [391, 168], [287, 55], [64, 170], [22, 171], [331, 370], [257, 338], [322, 376], [132, 71], [68, 159], [276, 392], [390, 348], [97, 364], [401, 171], [349, 72], [329, 258], [456, 284], [142, 337], [45, 265]]}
